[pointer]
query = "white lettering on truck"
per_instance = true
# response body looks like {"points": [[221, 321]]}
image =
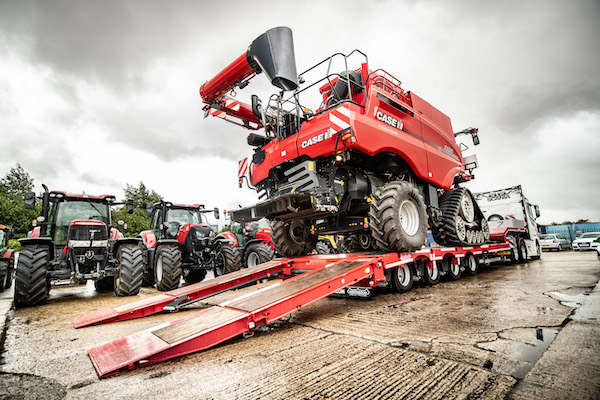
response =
{"points": [[396, 123], [317, 138]]}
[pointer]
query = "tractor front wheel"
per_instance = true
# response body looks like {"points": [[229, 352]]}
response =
{"points": [[167, 267], [31, 283], [129, 277], [290, 240], [228, 259], [258, 253]]}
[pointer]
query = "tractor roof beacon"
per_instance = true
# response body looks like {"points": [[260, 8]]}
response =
{"points": [[371, 161], [73, 241]]}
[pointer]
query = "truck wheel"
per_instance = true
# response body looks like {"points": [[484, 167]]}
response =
{"points": [[129, 277], [258, 253], [522, 251], [167, 267], [397, 217], [194, 276], [471, 265], [432, 275], [402, 278], [453, 270], [31, 283], [289, 241], [538, 251], [105, 284], [228, 259]]}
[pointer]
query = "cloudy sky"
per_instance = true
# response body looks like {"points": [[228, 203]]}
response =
{"points": [[98, 94]]}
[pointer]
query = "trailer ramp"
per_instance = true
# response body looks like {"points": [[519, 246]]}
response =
{"points": [[175, 299], [209, 327]]}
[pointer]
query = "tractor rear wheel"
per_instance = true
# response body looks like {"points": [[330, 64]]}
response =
{"points": [[11, 271], [228, 259], [289, 239], [4, 267], [397, 217], [258, 253], [167, 267], [31, 283], [129, 277]]}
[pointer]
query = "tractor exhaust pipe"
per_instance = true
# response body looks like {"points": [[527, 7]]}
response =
{"points": [[271, 53]]}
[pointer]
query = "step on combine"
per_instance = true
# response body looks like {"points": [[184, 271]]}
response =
{"points": [[371, 161]]}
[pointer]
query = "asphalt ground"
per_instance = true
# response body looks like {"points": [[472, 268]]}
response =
{"points": [[526, 331]]}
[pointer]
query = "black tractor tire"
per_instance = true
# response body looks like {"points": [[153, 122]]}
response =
{"points": [[258, 253], [402, 278], [522, 251], [360, 243], [129, 278], [11, 272], [148, 273], [284, 243], [105, 284], [4, 272], [471, 265], [397, 217], [167, 267], [191, 276], [228, 259], [31, 282], [322, 248]]}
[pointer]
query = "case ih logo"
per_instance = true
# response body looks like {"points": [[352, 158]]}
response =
{"points": [[396, 123], [317, 138]]}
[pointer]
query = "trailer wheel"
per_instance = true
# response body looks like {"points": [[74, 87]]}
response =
{"points": [[194, 275], [522, 251], [402, 278], [397, 217], [471, 265], [167, 267], [258, 253], [453, 270], [105, 284], [432, 275], [128, 280], [228, 259], [31, 283], [288, 241]]}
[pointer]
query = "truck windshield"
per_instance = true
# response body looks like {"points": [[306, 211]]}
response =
{"points": [[68, 211]]}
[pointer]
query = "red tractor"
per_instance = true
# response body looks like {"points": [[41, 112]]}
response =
{"points": [[371, 161], [253, 240], [7, 258], [75, 241], [181, 242]]}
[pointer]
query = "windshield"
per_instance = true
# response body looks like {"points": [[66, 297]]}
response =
{"points": [[590, 236], [183, 217], [261, 223], [69, 211]]}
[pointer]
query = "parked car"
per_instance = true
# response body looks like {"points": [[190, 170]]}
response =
{"points": [[553, 241], [587, 241]]}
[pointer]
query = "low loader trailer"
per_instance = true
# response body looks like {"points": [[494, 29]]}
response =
{"points": [[305, 280]]}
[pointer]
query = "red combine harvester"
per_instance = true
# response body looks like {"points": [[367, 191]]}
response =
{"points": [[371, 162]]}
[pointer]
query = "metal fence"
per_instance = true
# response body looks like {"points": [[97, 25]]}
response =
{"points": [[572, 231]]}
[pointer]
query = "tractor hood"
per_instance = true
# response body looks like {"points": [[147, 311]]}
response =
{"points": [[273, 53]]}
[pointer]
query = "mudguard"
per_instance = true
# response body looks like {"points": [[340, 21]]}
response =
{"points": [[148, 238], [229, 237], [120, 242], [40, 241], [8, 253]]}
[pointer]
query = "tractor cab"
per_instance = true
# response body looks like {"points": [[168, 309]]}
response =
{"points": [[174, 221]]}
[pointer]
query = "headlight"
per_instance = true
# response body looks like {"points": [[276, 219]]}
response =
{"points": [[198, 235]]}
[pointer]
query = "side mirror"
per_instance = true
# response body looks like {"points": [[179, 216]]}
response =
{"points": [[256, 107], [129, 206], [475, 136], [537, 211], [216, 211], [29, 200], [149, 209]]}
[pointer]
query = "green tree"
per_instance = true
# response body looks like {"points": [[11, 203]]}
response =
{"points": [[137, 221], [13, 187]]}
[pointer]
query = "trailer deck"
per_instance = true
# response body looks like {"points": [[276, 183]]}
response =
{"points": [[306, 280]]}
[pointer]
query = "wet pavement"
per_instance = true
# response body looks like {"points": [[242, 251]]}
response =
{"points": [[513, 331]]}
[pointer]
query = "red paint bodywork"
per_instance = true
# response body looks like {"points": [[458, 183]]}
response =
{"points": [[149, 239], [230, 237]]}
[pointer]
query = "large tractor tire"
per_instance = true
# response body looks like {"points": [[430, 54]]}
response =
{"points": [[31, 283], [258, 253], [167, 267], [322, 248], [11, 272], [397, 217], [4, 272], [228, 259], [289, 241], [129, 278], [148, 270]]}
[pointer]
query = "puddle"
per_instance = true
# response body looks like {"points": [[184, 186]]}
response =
{"points": [[568, 300]]}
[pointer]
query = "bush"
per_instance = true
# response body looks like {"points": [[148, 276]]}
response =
{"points": [[14, 244]]}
